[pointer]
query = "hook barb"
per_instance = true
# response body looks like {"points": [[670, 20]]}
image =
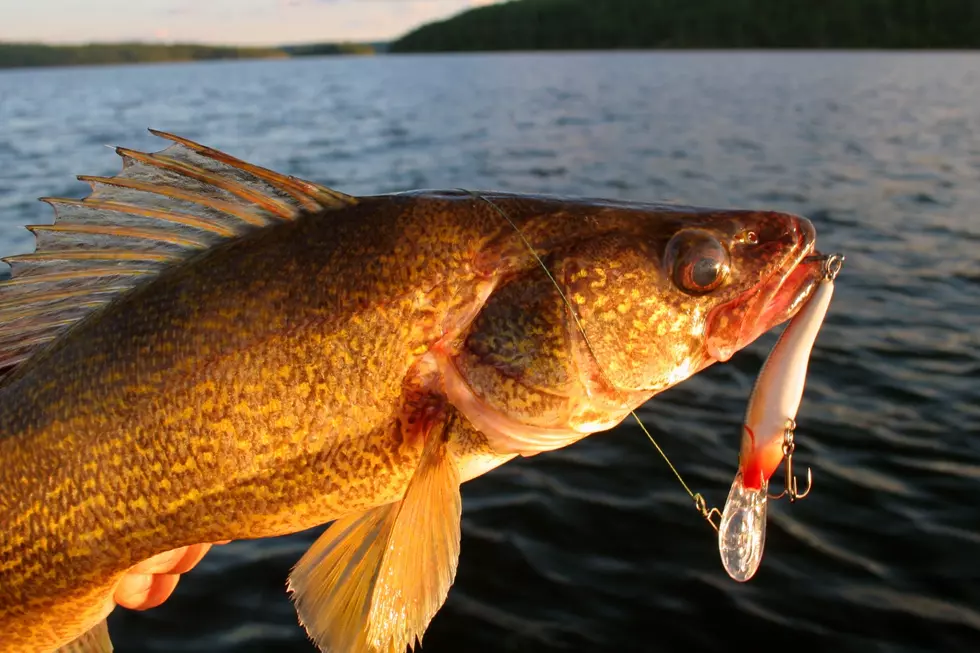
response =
{"points": [[792, 488], [795, 493]]}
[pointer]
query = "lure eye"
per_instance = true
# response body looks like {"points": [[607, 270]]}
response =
{"points": [[697, 261]]}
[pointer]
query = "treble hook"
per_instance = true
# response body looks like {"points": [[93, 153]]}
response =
{"points": [[792, 490]]}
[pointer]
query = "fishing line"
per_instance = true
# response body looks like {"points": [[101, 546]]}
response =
{"points": [[699, 501]]}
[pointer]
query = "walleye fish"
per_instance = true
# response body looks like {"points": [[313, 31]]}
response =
{"points": [[203, 350]]}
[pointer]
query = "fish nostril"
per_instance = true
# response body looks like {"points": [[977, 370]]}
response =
{"points": [[782, 229]]}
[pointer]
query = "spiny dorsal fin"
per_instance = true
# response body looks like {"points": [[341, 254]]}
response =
{"points": [[161, 208]]}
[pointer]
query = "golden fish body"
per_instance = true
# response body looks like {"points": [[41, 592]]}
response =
{"points": [[205, 350]]}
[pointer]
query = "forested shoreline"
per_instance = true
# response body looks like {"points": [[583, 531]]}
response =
{"points": [[705, 24], [599, 25], [17, 55]]}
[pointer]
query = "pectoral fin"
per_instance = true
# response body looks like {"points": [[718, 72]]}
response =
{"points": [[94, 641], [373, 582]]}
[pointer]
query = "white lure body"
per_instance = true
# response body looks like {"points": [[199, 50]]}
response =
{"points": [[776, 397]]}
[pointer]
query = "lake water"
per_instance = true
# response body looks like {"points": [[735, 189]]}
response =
{"points": [[597, 547]]}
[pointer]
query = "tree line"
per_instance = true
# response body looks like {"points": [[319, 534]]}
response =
{"points": [[14, 55], [645, 24]]}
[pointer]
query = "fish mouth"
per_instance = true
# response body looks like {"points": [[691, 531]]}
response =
{"points": [[775, 300], [792, 291]]}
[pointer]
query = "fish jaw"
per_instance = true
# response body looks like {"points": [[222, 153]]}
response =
{"points": [[737, 324]]}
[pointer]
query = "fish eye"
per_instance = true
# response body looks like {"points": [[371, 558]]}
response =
{"points": [[697, 261]]}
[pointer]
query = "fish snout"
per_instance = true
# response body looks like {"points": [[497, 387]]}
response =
{"points": [[805, 233], [791, 236]]}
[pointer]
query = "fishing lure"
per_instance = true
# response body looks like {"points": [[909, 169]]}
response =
{"points": [[767, 434]]}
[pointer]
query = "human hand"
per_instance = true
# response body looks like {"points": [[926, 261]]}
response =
{"points": [[152, 581]]}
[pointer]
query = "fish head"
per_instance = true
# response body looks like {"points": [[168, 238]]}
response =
{"points": [[625, 303], [660, 303]]}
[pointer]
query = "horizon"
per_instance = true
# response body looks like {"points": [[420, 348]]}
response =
{"points": [[243, 23]]}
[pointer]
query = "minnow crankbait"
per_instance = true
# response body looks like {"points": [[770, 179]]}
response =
{"points": [[767, 435]]}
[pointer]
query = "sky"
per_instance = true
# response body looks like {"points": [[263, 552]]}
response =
{"points": [[237, 22]]}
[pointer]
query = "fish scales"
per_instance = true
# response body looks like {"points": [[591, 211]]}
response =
{"points": [[262, 355]]}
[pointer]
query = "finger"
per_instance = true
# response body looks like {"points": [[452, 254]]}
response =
{"points": [[192, 555], [161, 563], [151, 582], [132, 590], [144, 591], [161, 588], [169, 561]]}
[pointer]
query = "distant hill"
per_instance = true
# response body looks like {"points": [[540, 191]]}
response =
{"points": [[646, 24], [35, 54], [15, 55], [319, 49]]}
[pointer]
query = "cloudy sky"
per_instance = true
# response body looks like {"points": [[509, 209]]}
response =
{"points": [[259, 22]]}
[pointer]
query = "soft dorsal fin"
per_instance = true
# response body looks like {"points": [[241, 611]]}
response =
{"points": [[160, 209]]}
